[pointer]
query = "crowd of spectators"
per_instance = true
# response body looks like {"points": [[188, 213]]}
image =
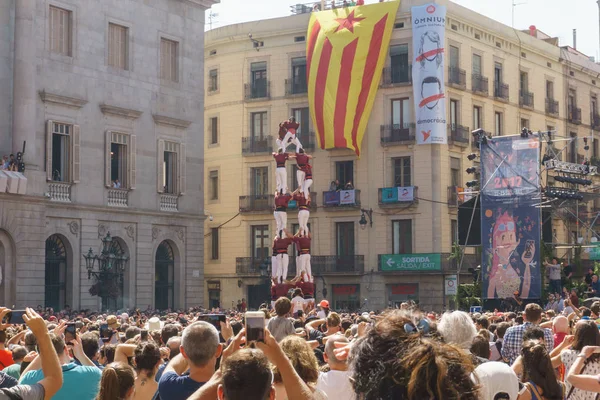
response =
{"points": [[397, 354]]}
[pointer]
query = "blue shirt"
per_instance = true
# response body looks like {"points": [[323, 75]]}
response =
{"points": [[596, 287], [80, 382], [174, 387]]}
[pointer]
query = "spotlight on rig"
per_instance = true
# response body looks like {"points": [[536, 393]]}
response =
{"points": [[471, 156], [471, 170], [471, 184]]}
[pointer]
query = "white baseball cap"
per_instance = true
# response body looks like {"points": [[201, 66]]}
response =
{"points": [[495, 377]]}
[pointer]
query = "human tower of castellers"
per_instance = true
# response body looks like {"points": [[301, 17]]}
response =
{"points": [[283, 238]]}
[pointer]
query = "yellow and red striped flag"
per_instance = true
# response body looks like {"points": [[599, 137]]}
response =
{"points": [[345, 53]]}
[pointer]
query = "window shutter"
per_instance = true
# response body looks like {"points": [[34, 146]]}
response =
{"points": [[107, 160], [181, 170], [159, 169], [132, 162], [76, 172], [49, 125]]}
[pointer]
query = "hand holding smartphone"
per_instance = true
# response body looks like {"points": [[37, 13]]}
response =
{"points": [[14, 317], [255, 326]]}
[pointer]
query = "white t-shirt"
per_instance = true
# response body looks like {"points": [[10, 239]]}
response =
{"points": [[321, 314], [298, 304], [336, 385]]}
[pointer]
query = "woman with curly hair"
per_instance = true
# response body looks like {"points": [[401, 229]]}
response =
{"points": [[304, 362], [539, 377], [147, 360], [402, 358]]}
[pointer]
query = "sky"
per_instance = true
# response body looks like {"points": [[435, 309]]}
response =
{"points": [[553, 17]]}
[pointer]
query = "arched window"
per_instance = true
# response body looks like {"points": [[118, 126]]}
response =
{"points": [[56, 273], [164, 276]]}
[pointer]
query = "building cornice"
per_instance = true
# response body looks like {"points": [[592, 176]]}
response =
{"points": [[120, 112], [67, 101], [203, 3], [177, 123]]}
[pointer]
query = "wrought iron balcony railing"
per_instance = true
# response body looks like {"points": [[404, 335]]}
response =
{"points": [[396, 74], [397, 134], [458, 134], [574, 115], [257, 90], [525, 99], [257, 203], [341, 199], [551, 107], [295, 86], [257, 145], [320, 265], [480, 84], [457, 77], [501, 91], [398, 196]]}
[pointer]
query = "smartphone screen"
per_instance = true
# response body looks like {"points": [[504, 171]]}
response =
{"points": [[255, 326], [214, 319], [15, 317], [105, 333], [70, 332]]}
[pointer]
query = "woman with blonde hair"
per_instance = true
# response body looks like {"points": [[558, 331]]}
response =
{"points": [[118, 382], [304, 362]]}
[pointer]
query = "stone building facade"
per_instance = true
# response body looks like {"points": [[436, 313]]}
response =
{"points": [[498, 79], [108, 98]]}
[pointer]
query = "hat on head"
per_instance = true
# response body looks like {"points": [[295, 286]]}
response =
{"points": [[112, 322], [324, 304], [495, 378], [154, 324]]}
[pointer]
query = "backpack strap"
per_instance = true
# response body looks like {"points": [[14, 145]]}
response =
{"points": [[534, 392]]}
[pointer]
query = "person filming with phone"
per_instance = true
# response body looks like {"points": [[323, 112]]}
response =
{"points": [[52, 375]]}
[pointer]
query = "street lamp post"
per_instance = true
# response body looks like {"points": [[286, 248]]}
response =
{"points": [[107, 269]]}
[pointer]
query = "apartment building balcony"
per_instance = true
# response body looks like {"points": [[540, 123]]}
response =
{"points": [[295, 87], [501, 91], [308, 140], [595, 122], [458, 135], [60, 191], [118, 197], [552, 107], [251, 266], [257, 90], [257, 203], [526, 99], [169, 202], [293, 206], [398, 197], [397, 134], [397, 75], [574, 115], [341, 199], [480, 85], [320, 265], [457, 77], [253, 145], [457, 196]]}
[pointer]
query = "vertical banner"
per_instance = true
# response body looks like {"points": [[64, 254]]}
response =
{"points": [[429, 26], [346, 49], [510, 218]]}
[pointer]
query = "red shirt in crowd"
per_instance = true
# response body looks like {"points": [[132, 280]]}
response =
{"points": [[280, 159], [281, 245], [6, 359], [301, 160], [282, 200], [303, 244], [558, 338]]}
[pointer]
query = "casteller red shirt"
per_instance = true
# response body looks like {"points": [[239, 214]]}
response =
{"points": [[308, 288], [301, 160], [558, 338], [281, 290], [291, 126], [302, 201], [280, 159], [282, 131], [282, 201], [281, 245], [307, 171], [303, 244]]}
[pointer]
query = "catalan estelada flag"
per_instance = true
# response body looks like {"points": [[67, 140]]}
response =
{"points": [[345, 53]]}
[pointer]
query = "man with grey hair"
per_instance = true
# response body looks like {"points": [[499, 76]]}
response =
{"points": [[199, 351], [336, 382]]}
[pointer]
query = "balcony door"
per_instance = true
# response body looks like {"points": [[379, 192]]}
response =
{"points": [[259, 125], [303, 118], [258, 73], [299, 75], [261, 243], [400, 116], [344, 172], [399, 63], [260, 181], [497, 77], [345, 239]]}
